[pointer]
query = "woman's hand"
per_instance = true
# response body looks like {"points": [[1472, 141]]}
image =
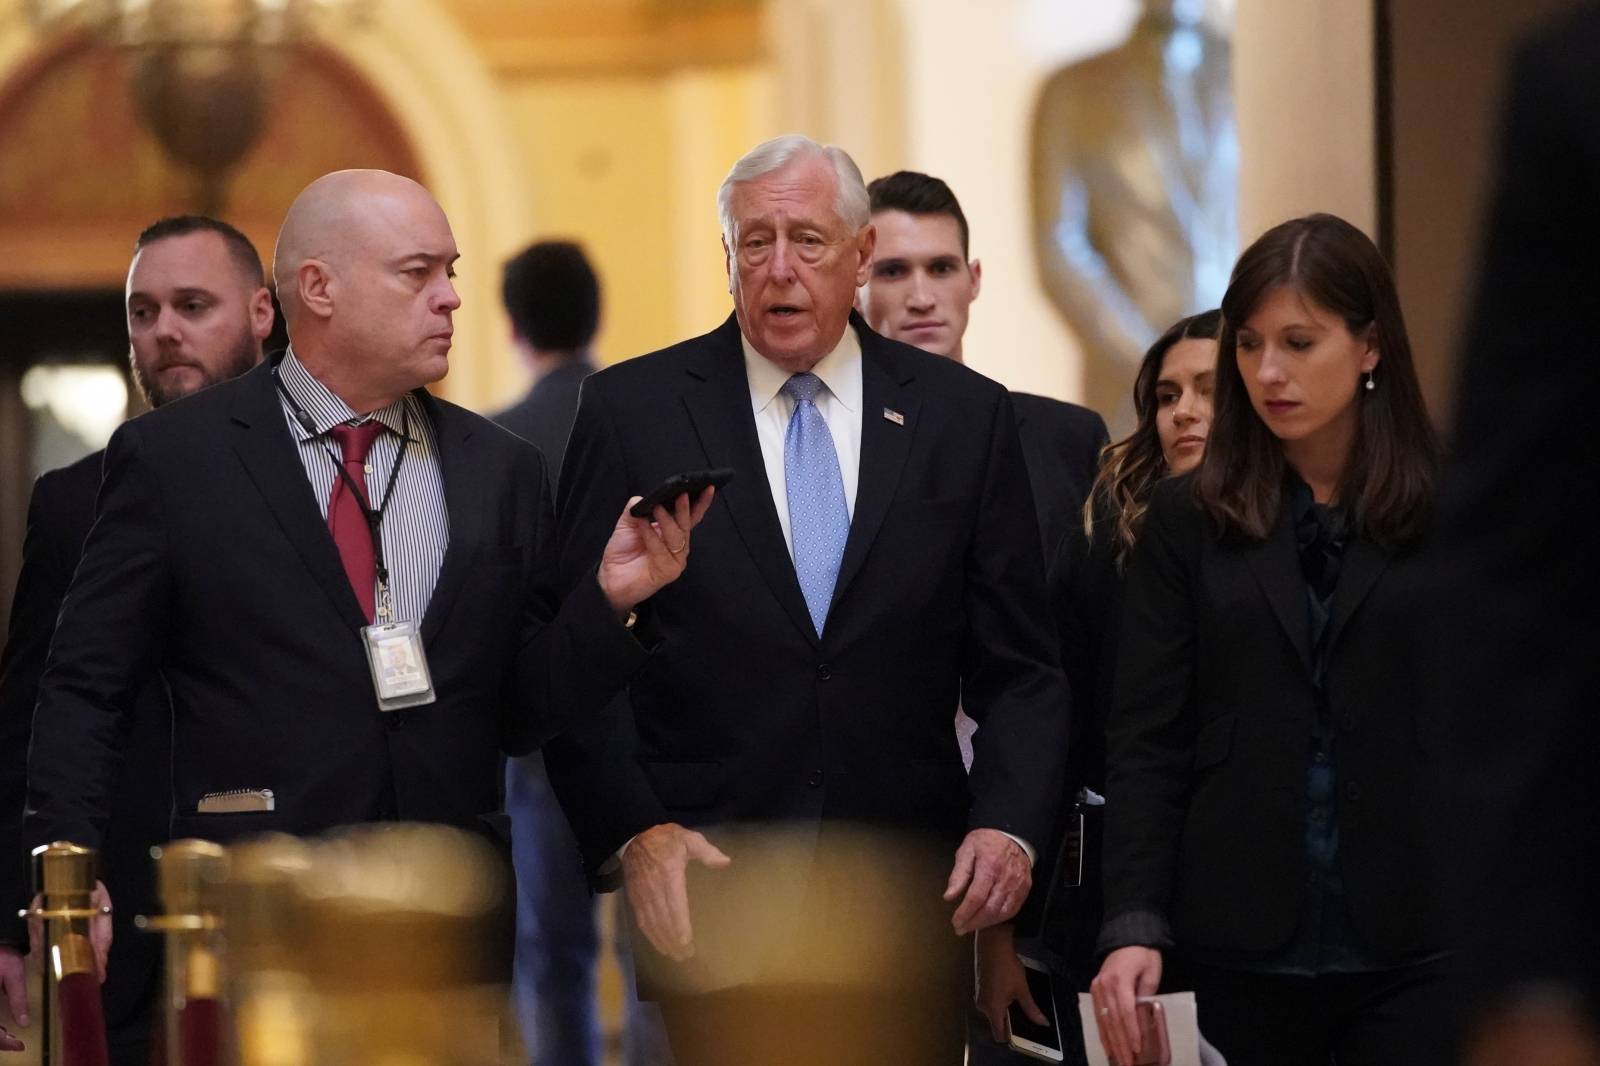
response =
{"points": [[1127, 974]]}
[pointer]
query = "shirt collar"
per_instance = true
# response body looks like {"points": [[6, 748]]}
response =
{"points": [[840, 371], [325, 408]]}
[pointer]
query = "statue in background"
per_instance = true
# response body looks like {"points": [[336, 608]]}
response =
{"points": [[1135, 189]]}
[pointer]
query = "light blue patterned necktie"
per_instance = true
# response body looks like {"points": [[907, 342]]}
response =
{"points": [[819, 521]]}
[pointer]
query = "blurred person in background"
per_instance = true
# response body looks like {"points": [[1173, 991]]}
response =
{"points": [[1273, 740], [552, 297], [198, 312], [1172, 400]]}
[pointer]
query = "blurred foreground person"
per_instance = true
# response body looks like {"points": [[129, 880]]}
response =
{"points": [[784, 772], [1523, 578], [347, 584], [1172, 400], [552, 297], [198, 311], [1273, 732]]}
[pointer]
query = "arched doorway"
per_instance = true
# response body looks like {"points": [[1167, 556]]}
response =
{"points": [[79, 178]]}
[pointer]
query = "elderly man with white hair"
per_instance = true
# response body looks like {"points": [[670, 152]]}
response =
{"points": [[780, 789]]}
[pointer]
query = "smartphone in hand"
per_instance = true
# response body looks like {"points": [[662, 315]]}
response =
{"points": [[690, 482], [1154, 1047], [1027, 1036]]}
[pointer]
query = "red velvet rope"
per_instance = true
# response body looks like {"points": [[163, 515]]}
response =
{"points": [[200, 1033], [83, 1023]]}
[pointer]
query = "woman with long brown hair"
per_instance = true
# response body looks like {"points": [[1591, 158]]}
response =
{"points": [[1172, 405], [1270, 743]]}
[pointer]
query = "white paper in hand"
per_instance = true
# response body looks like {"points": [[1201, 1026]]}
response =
{"points": [[1183, 1031]]}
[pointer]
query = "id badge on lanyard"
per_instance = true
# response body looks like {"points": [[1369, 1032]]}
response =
{"points": [[399, 662], [399, 665], [395, 654]]}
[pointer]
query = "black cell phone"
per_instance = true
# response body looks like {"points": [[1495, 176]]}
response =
{"points": [[1027, 1036], [693, 482]]}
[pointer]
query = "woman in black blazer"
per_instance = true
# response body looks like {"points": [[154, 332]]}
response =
{"points": [[1172, 403], [1270, 745]]}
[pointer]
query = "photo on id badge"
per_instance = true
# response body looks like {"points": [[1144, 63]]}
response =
{"points": [[399, 665]]}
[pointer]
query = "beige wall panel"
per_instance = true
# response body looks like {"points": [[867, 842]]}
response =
{"points": [[971, 83], [717, 116], [1303, 87], [599, 162]]}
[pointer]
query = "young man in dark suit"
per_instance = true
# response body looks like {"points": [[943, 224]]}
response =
{"points": [[877, 559], [254, 543], [198, 312], [921, 290]]}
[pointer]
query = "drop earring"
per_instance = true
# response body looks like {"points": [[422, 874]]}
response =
{"points": [[1371, 384]]}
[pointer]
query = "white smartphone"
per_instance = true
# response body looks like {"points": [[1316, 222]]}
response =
{"points": [[1026, 1035]]}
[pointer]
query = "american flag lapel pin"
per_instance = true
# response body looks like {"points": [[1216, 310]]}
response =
{"points": [[894, 416]]}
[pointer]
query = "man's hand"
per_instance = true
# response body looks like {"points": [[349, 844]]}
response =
{"points": [[644, 555], [996, 876], [1127, 974], [654, 874], [14, 985], [99, 929], [1001, 981]]}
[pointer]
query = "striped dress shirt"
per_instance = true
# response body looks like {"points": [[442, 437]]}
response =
{"points": [[416, 526]]}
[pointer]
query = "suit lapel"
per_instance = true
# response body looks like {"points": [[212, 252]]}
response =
{"points": [[1277, 568], [273, 464], [719, 407], [885, 443], [1364, 563], [451, 433]]}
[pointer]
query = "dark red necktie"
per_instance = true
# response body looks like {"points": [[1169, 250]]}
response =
{"points": [[347, 521]]}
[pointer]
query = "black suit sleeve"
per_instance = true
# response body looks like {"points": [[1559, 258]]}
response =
{"points": [[107, 646], [49, 556], [1150, 731], [594, 767], [1012, 684], [575, 654], [1069, 607], [1071, 590]]}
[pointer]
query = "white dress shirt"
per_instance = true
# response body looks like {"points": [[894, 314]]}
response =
{"points": [[416, 524], [838, 402]]}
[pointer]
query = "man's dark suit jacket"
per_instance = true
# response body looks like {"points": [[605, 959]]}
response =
{"points": [[743, 714], [59, 517], [544, 417], [1521, 564], [210, 562], [1210, 736], [1061, 443]]}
